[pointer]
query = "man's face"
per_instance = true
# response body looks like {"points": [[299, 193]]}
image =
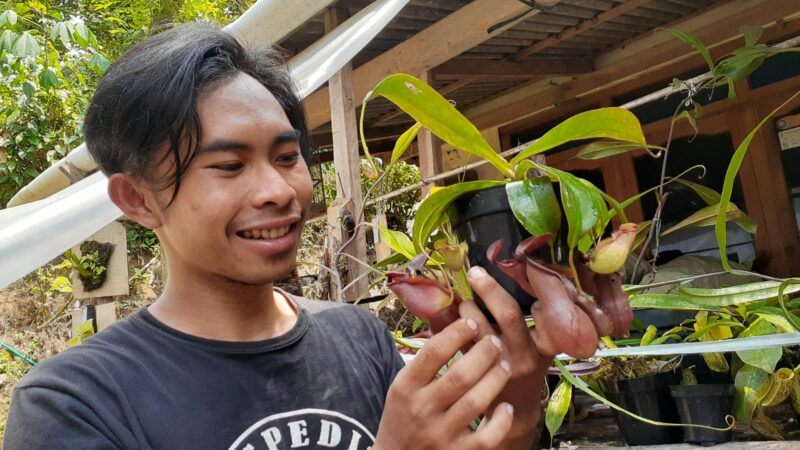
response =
{"points": [[240, 209]]}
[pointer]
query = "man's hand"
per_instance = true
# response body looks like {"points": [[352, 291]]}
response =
{"points": [[425, 412], [529, 365]]}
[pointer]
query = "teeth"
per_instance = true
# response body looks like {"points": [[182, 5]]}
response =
{"points": [[272, 233]]}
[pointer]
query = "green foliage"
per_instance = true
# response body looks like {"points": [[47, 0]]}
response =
{"points": [[141, 240], [52, 54]]}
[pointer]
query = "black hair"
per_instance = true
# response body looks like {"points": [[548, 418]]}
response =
{"points": [[148, 98]]}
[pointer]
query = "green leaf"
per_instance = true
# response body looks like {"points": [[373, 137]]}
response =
{"points": [[28, 89], [599, 150], [431, 212], [669, 301], [610, 123], [583, 386], [778, 320], [730, 178], [81, 34], [48, 78], [731, 290], [735, 298], [435, 113], [397, 258], [404, 141], [557, 407], [26, 45], [752, 33], [535, 205], [695, 43], [397, 241], [7, 40], [748, 382], [60, 30], [707, 217], [99, 63], [765, 359], [8, 17], [582, 205]]}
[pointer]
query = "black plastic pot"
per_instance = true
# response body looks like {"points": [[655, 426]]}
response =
{"points": [[648, 397], [704, 404], [482, 217]]}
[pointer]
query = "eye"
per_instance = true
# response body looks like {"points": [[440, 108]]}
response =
{"points": [[290, 157], [228, 167]]}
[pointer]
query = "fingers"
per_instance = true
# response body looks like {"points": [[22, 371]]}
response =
{"points": [[503, 307], [466, 373], [438, 351], [476, 401], [492, 432], [470, 310]]}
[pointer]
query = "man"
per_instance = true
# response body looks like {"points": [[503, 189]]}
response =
{"points": [[204, 143]]}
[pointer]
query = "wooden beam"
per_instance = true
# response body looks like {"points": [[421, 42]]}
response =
{"points": [[587, 24], [480, 69], [656, 52], [348, 169], [430, 149], [452, 87], [462, 30]]}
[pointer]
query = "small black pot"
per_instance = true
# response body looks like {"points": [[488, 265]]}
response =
{"points": [[704, 404], [648, 397], [480, 218]]}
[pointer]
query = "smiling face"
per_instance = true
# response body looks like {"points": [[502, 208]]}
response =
{"points": [[239, 212]]}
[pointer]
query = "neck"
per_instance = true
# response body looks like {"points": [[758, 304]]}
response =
{"points": [[222, 309]]}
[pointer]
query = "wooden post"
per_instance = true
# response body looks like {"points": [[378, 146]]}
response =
{"points": [[430, 148], [348, 169]]}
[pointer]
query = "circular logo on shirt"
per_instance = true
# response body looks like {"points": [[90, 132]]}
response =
{"points": [[305, 429]]}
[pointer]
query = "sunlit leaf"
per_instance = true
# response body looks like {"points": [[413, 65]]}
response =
{"points": [[404, 141], [669, 301], [557, 407], [397, 241], [435, 113], [707, 217], [431, 212], [26, 45], [7, 40], [610, 123]]}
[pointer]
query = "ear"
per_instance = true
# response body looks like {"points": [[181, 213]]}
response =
{"points": [[133, 199]]}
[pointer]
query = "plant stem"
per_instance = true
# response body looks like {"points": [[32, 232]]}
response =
{"points": [[574, 271]]}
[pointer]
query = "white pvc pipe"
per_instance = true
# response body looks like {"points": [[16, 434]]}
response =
{"points": [[40, 231]]}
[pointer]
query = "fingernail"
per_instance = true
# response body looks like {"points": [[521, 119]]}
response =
{"points": [[472, 324], [496, 341], [476, 272], [506, 366], [510, 409]]}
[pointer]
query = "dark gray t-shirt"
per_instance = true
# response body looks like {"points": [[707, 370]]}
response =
{"points": [[142, 385]]}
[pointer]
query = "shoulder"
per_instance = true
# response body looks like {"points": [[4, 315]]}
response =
{"points": [[91, 363], [342, 318]]}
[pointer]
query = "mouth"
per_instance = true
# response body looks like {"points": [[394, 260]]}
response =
{"points": [[265, 233]]}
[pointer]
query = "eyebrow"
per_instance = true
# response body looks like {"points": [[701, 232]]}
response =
{"points": [[221, 145]]}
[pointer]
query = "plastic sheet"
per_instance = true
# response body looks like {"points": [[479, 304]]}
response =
{"points": [[51, 226], [322, 59], [282, 16], [34, 233]]}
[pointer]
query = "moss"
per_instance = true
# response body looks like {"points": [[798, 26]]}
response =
{"points": [[95, 257]]}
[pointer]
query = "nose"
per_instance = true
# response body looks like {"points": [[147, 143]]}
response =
{"points": [[270, 187]]}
